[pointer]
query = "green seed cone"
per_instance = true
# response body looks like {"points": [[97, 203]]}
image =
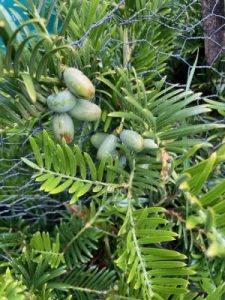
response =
{"points": [[108, 147], [150, 144], [132, 140], [98, 138], [63, 127], [86, 111], [61, 102], [78, 83]]}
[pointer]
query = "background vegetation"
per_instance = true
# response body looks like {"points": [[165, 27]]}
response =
{"points": [[73, 227]]}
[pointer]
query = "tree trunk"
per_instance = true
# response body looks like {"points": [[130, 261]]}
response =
{"points": [[213, 24]]}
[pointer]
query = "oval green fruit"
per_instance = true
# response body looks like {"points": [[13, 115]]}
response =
{"points": [[78, 83], [108, 147], [63, 127], [150, 144], [122, 161], [98, 138], [132, 139], [86, 111], [61, 102], [115, 153], [143, 166]]}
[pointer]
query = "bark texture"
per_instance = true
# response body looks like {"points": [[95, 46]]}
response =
{"points": [[214, 30]]}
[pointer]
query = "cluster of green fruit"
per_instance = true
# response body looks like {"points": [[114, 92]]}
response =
{"points": [[107, 143], [73, 102]]}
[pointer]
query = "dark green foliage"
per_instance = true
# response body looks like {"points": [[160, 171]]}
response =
{"points": [[147, 225], [77, 241]]}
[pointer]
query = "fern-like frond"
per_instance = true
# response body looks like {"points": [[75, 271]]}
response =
{"points": [[43, 248], [154, 272], [90, 283], [159, 113], [209, 209], [27, 63], [79, 241], [10, 239], [215, 293], [61, 168], [35, 276], [10, 288]]}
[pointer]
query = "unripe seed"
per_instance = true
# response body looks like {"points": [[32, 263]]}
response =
{"points": [[108, 147], [63, 127], [132, 140], [98, 138], [61, 102], [122, 161], [143, 166], [150, 144], [115, 153], [123, 203], [86, 111], [78, 83]]}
